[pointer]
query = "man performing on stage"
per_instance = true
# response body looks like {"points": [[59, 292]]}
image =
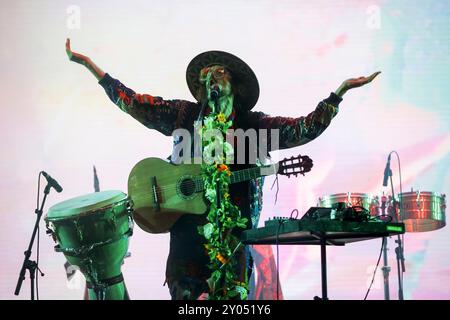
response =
{"points": [[226, 79]]}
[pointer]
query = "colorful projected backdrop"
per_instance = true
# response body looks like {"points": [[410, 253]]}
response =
{"points": [[55, 117]]}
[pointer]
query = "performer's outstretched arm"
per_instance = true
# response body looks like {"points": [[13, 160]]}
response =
{"points": [[355, 83], [84, 60], [297, 131], [153, 112], [294, 132]]}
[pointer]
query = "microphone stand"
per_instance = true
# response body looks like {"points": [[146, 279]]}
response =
{"points": [[386, 269], [28, 264], [399, 250]]}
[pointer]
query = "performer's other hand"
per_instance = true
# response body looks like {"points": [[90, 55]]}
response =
{"points": [[358, 82], [355, 83], [73, 56]]}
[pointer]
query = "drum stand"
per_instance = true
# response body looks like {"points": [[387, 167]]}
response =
{"points": [[29, 265], [399, 250], [386, 269], [399, 257]]}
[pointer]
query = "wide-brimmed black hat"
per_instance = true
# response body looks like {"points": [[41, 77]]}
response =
{"points": [[243, 78]]}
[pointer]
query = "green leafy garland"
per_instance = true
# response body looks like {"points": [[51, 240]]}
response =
{"points": [[221, 244]]}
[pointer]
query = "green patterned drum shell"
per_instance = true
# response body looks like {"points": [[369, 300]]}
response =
{"points": [[92, 231]]}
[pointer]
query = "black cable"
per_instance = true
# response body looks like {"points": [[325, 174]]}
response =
{"points": [[37, 264], [401, 208], [280, 222], [292, 212], [400, 176], [401, 201], [277, 236], [278, 187], [376, 267]]}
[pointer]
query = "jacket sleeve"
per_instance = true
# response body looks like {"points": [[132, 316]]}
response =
{"points": [[294, 132], [153, 112]]}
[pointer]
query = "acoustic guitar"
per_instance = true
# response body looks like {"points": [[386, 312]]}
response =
{"points": [[161, 192]]}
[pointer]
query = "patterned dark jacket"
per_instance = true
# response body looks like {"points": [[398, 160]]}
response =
{"points": [[187, 257]]}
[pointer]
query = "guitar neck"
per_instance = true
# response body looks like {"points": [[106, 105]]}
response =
{"points": [[245, 174], [238, 176]]}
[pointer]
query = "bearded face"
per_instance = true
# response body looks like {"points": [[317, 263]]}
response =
{"points": [[215, 78]]}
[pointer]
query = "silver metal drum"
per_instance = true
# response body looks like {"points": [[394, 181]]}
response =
{"points": [[355, 199], [422, 211]]}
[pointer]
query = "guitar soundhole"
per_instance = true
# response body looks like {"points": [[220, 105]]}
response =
{"points": [[187, 187]]}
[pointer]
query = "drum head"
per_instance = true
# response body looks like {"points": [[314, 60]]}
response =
{"points": [[84, 204]]}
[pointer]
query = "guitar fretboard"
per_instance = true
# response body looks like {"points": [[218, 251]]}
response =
{"points": [[236, 177], [245, 175]]}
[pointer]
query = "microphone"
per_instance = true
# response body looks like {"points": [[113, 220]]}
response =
{"points": [[214, 94], [52, 182], [387, 171]]}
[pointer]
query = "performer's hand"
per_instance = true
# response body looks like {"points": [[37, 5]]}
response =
{"points": [[85, 61], [355, 83], [73, 56]]}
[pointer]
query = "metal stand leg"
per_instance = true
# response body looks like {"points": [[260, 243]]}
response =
{"points": [[386, 269], [31, 266], [323, 268], [400, 266], [27, 263], [323, 259]]}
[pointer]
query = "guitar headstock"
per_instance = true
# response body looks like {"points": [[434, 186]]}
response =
{"points": [[295, 165]]}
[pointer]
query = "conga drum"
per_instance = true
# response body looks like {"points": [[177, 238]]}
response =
{"points": [[93, 231]]}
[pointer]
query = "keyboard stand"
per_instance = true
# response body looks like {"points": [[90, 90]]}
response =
{"points": [[323, 233]]}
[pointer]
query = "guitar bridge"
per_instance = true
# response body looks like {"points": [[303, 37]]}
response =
{"points": [[156, 203]]}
